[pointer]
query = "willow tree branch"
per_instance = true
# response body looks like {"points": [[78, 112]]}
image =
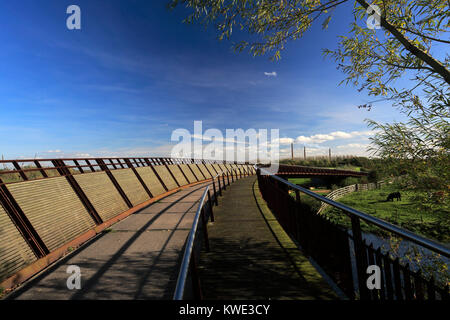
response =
{"points": [[437, 67]]}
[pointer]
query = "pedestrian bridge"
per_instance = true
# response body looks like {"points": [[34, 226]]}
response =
{"points": [[159, 228]]}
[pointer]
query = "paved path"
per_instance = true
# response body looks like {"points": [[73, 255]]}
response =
{"points": [[251, 257], [138, 258]]}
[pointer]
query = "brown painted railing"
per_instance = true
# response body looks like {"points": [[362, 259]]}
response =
{"points": [[344, 253], [38, 194], [292, 170], [33, 169]]}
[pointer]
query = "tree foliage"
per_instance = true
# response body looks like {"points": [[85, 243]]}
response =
{"points": [[412, 43]]}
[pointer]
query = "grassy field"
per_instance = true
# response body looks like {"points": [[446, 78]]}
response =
{"points": [[431, 224], [300, 181], [346, 167]]}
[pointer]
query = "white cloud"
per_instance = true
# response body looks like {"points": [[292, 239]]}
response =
{"points": [[352, 145], [357, 149], [283, 141], [341, 135], [321, 138], [270, 74]]}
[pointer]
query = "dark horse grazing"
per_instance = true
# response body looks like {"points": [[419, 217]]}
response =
{"points": [[393, 195]]}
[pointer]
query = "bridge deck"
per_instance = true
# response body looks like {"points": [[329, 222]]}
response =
{"points": [[251, 257], [137, 259]]}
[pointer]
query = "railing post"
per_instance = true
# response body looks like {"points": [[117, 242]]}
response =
{"points": [[223, 181], [113, 180], [205, 228], [210, 207], [42, 171], [215, 193], [220, 187], [19, 169], [65, 172], [21, 222], [361, 258], [297, 196], [195, 278]]}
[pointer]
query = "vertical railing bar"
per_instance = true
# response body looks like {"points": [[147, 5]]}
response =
{"points": [[138, 176], [205, 228], [184, 175], [200, 171], [112, 163], [223, 180], [407, 281], [397, 279], [20, 171], [210, 207], [361, 259], [20, 220], [195, 278], [114, 181], [80, 168], [90, 166], [195, 176], [204, 164], [379, 263], [215, 193], [65, 172], [220, 187], [172, 175], [42, 171], [159, 178]]}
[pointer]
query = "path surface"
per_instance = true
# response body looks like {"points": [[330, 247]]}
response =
{"points": [[138, 258], [251, 257]]}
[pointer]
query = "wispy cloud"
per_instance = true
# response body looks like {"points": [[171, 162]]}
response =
{"points": [[321, 138], [270, 74]]}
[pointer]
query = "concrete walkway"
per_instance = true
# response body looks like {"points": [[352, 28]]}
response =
{"points": [[137, 258], [251, 257]]}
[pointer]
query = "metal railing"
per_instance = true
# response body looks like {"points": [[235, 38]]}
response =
{"points": [[189, 262], [335, 248], [21, 170], [33, 169]]}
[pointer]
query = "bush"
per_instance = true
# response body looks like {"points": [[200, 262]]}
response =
{"points": [[364, 180], [349, 181], [373, 176]]}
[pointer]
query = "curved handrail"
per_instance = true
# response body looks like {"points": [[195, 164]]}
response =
{"points": [[184, 268], [427, 243]]}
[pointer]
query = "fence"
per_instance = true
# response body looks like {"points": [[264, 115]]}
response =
{"points": [[50, 205], [339, 193], [342, 253]]}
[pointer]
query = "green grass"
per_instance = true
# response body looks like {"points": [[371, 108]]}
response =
{"points": [[300, 181], [346, 167], [430, 224]]}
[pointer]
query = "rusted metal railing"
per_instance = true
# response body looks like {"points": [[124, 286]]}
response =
{"points": [[343, 253]]}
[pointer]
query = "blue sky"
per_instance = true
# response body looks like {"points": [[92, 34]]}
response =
{"points": [[135, 72]]}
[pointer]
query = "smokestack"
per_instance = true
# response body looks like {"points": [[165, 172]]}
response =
{"points": [[304, 152], [292, 151], [329, 153]]}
